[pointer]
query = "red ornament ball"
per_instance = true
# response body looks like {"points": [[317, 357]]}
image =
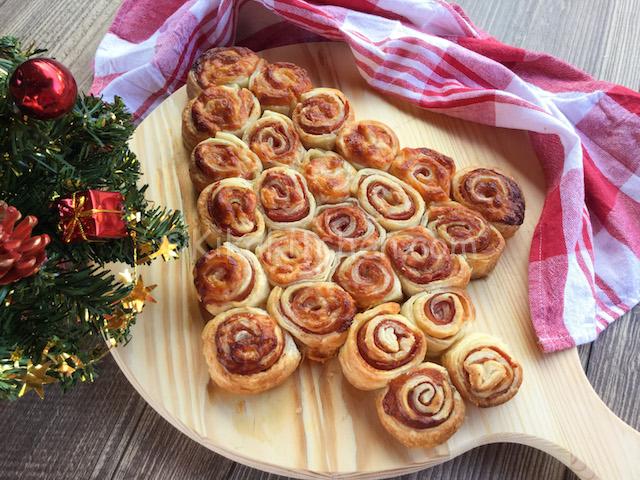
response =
{"points": [[43, 88]]}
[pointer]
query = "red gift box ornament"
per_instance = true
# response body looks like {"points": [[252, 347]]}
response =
{"points": [[92, 215]]}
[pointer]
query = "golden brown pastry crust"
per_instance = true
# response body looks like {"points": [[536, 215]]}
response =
{"points": [[483, 370], [218, 109], [317, 314], [467, 233], [224, 156], [426, 170], [442, 315], [274, 139], [247, 351], [494, 194], [368, 144], [320, 115], [421, 408], [328, 175], [381, 345], [423, 262], [279, 85], [221, 66]]}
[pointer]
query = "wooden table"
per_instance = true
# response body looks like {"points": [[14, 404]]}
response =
{"points": [[106, 430]]}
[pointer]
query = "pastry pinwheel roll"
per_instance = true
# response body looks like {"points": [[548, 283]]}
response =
{"points": [[218, 109], [426, 170], [230, 277], [381, 345], [224, 156], [247, 351], [369, 278], [423, 261], [320, 115], [328, 175], [442, 315], [347, 228], [494, 194], [228, 212], [368, 144], [392, 202], [221, 66], [295, 255], [421, 408], [285, 198], [279, 85], [483, 370], [466, 232], [274, 139], [317, 314]]}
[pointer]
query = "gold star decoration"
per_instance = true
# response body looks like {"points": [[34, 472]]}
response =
{"points": [[166, 249], [118, 320], [16, 355], [35, 378], [68, 364], [138, 296]]}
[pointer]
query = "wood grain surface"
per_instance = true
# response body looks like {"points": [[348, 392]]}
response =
{"points": [[106, 430]]}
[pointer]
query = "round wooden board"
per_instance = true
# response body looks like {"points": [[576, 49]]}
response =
{"points": [[316, 424]]}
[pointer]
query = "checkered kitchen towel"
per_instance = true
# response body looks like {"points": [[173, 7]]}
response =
{"points": [[584, 265]]}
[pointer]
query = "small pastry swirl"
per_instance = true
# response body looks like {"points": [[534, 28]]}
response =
{"points": [[492, 193], [347, 228], [442, 315], [328, 175], [285, 198], [221, 66], [247, 351], [317, 314], [230, 277], [225, 156], [320, 115], [218, 109], [274, 139], [279, 85], [294, 255], [421, 408], [380, 346], [369, 278], [467, 233], [393, 203], [483, 370], [228, 212], [368, 144], [424, 262], [426, 170]]}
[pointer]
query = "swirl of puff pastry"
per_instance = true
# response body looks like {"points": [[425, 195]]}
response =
{"points": [[423, 261], [392, 202], [320, 115], [247, 351], [381, 345], [279, 85], [442, 315], [347, 228], [483, 370], [218, 109], [285, 198], [221, 66], [421, 408], [228, 212], [224, 156], [426, 170], [466, 232], [494, 194], [274, 139], [230, 277], [368, 144], [369, 278], [328, 176], [317, 314], [294, 255]]}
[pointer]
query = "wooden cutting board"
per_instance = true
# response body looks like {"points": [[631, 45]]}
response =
{"points": [[316, 425]]}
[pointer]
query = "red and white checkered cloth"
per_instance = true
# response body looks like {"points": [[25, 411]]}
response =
{"points": [[584, 269]]}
